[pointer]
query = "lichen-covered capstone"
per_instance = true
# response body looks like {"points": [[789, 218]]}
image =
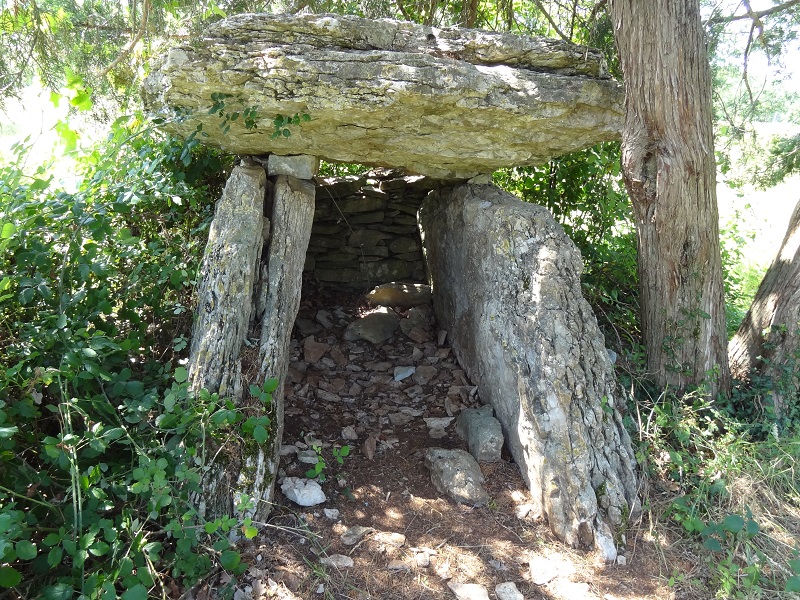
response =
{"points": [[450, 103]]}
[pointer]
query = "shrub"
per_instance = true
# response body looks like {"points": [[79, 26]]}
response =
{"points": [[101, 444]]}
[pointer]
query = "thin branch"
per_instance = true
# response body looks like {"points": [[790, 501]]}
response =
{"points": [[756, 15], [550, 20], [139, 34]]}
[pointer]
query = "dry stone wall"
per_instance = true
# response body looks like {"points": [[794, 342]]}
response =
{"points": [[365, 229]]}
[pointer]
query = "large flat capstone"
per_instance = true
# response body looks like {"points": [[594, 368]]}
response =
{"points": [[449, 103]]}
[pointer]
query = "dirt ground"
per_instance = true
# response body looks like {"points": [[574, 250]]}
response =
{"points": [[415, 540]]}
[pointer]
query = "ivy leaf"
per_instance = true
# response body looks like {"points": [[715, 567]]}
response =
{"points": [[26, 550], [181, 374], [137, 592], [712, 544], [59, 591], [7, 231], [793, 584], [733, 523], [250, 532]]}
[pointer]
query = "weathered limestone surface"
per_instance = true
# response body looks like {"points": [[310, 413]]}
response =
{"points": [[449, 103], [277, 302], [227, 278], [506, 283]]}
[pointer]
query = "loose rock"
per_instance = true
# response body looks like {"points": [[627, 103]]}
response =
{"points": [[339, 561], [401, 295], [455, 473], [354, 534], [305, 492], [508, 591], [376, 327], [468, 591], [483, 433], [313, 350]]}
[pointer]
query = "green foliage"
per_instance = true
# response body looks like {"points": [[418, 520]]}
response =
{"points": [[736, 495], [102, 445], [584, 190], [769, 403], [318, 470], [222, 106], [741, 278], [283, 122]]}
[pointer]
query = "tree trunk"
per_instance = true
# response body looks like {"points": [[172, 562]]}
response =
{"points": [[670, 173], [225, 292], [768, 340]]}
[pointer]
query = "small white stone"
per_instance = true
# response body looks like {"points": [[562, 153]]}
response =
{"points": [[621, 560], [354, 534], [438, 422], [308, 457], [468, 591], [340, 561], [508, 591], [397, 565], [349, 433], [401, 373], [320, 589], [305, 492], [332, 514]]}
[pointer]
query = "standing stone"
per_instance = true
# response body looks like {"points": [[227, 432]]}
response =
{"points": [[227, 278], [506, 283], [277, 301]]}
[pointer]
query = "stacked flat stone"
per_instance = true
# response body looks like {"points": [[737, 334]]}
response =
{"points": [[365, 229]]}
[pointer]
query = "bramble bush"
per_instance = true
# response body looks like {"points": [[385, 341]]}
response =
{"points": [[102, 446]]}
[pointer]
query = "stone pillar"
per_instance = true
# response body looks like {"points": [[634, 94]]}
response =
{"points": [[224, 305], [278, 298], [506, 285], [249, 285]]}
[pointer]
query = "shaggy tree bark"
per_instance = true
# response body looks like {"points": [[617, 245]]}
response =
{"points": [[768, 340], [670, 172]]}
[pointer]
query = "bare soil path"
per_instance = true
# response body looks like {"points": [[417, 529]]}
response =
{"points": [[406, 539]]}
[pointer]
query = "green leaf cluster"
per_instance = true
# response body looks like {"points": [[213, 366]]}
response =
{"points": [[102, 444]]}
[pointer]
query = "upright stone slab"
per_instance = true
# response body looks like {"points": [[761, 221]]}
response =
{"points": [[225, 291], [506, 284], [277, 302]]}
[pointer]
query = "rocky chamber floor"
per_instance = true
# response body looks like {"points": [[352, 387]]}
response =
{"points": [[384, 531]]}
